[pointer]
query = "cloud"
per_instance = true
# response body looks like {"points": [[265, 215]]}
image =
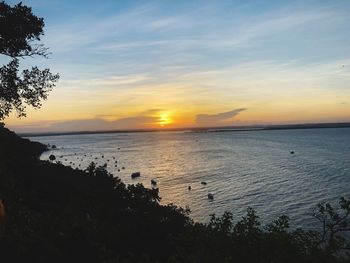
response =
{"points": [[79, 125], [147, 119], [146, 26], [111, 81], [94, 124], [153, 111], [217, 119], [240, 34], [135, 122]]}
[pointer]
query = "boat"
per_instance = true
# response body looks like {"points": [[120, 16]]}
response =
{"points": [[135, 175]]}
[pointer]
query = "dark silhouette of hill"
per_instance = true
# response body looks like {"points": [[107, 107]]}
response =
{"points": [[53, 213]]}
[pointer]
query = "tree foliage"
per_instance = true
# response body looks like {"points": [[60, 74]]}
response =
{"points": [[58, 214], [20, 34]]}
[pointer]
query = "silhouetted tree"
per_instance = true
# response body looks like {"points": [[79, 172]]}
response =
{"points": [[20, 32], [335, 222]]}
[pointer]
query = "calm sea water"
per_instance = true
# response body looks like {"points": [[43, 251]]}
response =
{"points": [[242, 169]]}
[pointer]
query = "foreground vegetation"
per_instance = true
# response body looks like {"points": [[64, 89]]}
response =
{"points": [[54, 213]]}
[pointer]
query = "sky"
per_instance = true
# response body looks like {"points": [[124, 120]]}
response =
{"points": [[173, 64]]}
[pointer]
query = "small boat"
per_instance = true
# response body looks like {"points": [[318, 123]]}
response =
{"points": [[189, 188], [135, 175], [291, 152], [153, 182], [210, 196], [204, 183]]}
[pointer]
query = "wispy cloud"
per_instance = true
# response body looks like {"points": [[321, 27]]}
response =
{"points": [[136, 122], [114, 81], [217, 119], [142, 39], [145, 26], [145, 120]]}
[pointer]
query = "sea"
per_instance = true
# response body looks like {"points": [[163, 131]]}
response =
{"points": [[275, 172]]}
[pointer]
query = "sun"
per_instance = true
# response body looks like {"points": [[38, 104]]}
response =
{"points": [[164, 120]]}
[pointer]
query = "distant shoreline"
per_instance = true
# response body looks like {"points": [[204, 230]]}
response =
{"points": [[207, 129]]}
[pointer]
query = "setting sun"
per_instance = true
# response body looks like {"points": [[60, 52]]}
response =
{"points": [[164, 119]]}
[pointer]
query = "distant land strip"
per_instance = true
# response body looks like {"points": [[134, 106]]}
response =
{"points": [[206, 129]]}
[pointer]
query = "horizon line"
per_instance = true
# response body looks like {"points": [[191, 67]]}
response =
{"points": [[253, 127]]}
